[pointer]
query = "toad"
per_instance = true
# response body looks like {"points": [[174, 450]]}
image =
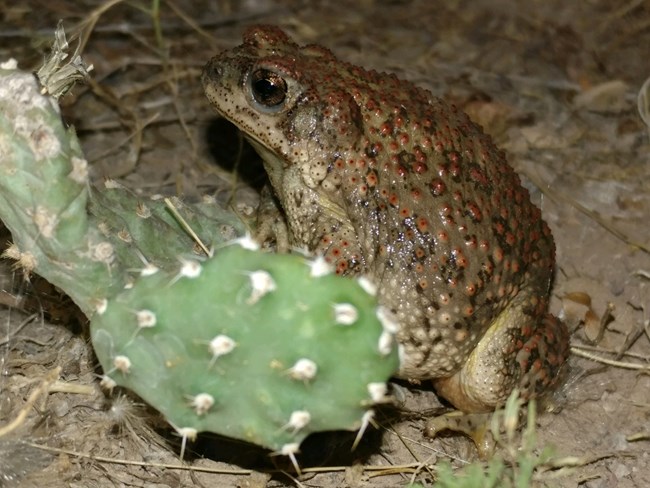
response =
{"points": [[385, 180]]}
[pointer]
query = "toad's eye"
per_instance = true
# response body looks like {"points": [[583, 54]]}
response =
{"points": [[269, 89]]}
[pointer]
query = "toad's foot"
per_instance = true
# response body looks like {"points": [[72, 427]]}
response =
{"points": [[474, 425]]}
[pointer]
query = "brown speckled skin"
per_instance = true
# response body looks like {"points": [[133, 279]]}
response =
{"points": [[386, 180]]}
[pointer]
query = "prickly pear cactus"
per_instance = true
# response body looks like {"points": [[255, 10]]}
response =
{"points": [[259, 347], [264, 348], [84, 241]]}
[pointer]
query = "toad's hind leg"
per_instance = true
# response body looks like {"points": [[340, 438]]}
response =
{"points": [[518, 350]]}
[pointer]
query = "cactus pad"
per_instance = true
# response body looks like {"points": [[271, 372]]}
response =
{"points": [[260, 347]]}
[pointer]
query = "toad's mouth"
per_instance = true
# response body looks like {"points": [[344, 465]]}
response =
{"points": [[274, 163]]}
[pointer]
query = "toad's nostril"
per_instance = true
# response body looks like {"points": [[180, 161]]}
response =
{"points": [[213, 71], [217, 70]]}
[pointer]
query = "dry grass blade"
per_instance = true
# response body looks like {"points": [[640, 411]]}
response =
{"points": [[85, 28], [38, 392], [20, 326], [640, 436], [186, 226], [377, 470], [191, 22], [619, 364]]}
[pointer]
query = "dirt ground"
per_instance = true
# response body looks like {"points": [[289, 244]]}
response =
{"points": [[554, 82]]}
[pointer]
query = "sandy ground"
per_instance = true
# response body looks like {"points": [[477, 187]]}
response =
{"points": [[554, 82]]}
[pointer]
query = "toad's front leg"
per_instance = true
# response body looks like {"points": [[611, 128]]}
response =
{"points": [[271, 230]]}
